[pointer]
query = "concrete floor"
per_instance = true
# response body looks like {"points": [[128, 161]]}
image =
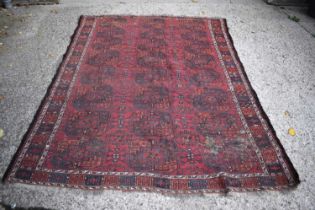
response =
{"points": [[278, 55]]}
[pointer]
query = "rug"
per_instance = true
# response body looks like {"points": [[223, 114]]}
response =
{"points": [[155, 104]]}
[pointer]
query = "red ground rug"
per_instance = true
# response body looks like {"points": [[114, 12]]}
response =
{"points": [[152, 103]]}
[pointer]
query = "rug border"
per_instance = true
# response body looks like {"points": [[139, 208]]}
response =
{"points": [[293, 173], [141, 189], [18, 152], [292, 170]]}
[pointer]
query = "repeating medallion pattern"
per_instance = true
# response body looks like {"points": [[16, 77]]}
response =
{"points": [[152, 103]]}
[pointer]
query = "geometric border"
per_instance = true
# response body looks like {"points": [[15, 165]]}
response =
{"points": [[282, 156]]}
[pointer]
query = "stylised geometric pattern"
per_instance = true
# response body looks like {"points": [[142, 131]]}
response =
{"points": [[152, 103]]}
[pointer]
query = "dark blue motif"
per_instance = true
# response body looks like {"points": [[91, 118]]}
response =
{"points": [[23, 174], [196, 184], [58, 178], [93, 180]]}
